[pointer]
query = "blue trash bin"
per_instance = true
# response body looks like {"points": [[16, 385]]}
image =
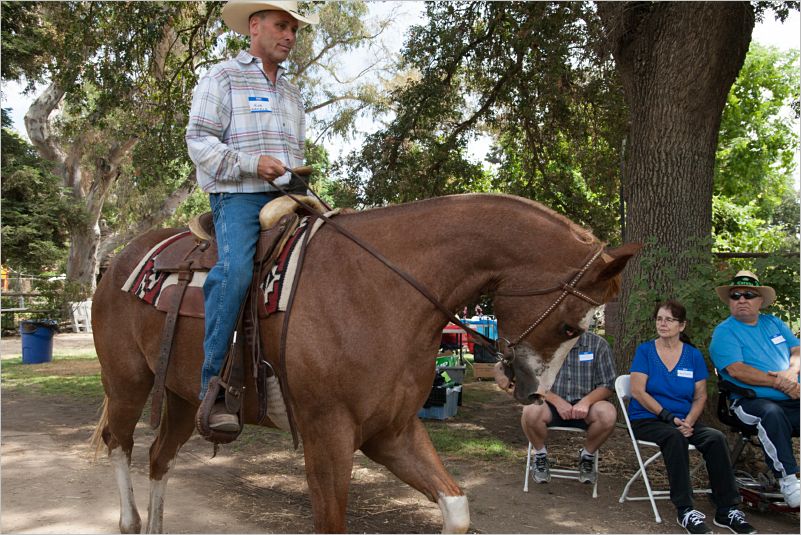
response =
{"points": [[37, 340]]}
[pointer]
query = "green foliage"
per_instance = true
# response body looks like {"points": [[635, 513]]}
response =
{"points": [[523, 73], [197, 203], [740, 228], [754, 167], [36, 210], [780, 9], [22, 38]]}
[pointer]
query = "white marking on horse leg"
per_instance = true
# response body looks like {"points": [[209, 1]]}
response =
{"points": [[155, 509], [129, 516], [455, 514]]}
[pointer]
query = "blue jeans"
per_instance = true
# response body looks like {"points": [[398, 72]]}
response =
{"points": [[777, 424], [236, 224]]}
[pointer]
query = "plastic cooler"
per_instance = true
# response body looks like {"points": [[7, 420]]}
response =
{"points": [[445, 407], [37, 340], [456, 373]]}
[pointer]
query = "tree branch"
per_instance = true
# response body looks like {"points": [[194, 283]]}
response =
{"points": [[333, 100], [116, 239], [37, 124]]}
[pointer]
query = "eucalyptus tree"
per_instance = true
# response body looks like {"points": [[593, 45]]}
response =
{"points": [[118, 78]]}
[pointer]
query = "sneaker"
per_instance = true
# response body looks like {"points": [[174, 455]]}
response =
{"points": [[541, 472], [734, 519], [587, 473], [222, 420], [791, 490], [693, 522]]}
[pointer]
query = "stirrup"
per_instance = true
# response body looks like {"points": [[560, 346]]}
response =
{"points": [[202, 417]]}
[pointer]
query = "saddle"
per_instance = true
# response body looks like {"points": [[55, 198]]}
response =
{"points": [[197, 252]]}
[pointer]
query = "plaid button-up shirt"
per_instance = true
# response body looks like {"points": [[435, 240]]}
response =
{"points": [[588, 366], [237, 115]]}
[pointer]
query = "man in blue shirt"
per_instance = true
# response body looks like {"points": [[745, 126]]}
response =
{"points": [[758, 351]]}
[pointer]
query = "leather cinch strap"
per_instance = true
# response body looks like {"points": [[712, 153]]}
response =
{"points": [[167, 334]]}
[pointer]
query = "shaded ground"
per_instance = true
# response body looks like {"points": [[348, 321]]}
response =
{"points": [[257, 485]]}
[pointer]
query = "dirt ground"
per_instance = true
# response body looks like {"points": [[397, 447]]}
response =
{"points": [[257, 485]]}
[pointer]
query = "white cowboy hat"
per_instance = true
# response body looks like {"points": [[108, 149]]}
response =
{"points": [[236, 13], [746, 279]]}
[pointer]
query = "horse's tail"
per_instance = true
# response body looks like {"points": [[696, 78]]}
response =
{"points": [[96, 443]]}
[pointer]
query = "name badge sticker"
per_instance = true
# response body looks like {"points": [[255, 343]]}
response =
{"points": [[777, 339], [259, 105], [586, 356], [684, 372]]}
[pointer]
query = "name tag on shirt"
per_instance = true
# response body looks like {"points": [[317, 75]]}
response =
{"points": [[586, 356], [259, 105], [777, 339], [684, 372]]}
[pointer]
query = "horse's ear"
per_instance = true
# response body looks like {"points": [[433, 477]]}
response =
{"points": [[620, 256]]}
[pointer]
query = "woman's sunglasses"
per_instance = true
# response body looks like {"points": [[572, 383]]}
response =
{"points": [[735, 296]]}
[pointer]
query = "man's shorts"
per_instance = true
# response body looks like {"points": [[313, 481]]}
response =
{"points": [[557, 421]]}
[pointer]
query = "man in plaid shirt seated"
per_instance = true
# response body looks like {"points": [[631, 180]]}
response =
{"points": [[578, 398]]}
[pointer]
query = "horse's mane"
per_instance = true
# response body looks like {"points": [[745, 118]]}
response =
{"points": [[581, 234]]}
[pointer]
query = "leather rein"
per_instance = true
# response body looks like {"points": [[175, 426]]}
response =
{"points": [[478, 338]]}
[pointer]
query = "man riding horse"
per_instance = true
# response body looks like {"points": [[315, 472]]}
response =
{"points": [[246, 127]]}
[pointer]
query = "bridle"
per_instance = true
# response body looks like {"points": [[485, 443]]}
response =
{"points": [[566, 287], [478, 338]]}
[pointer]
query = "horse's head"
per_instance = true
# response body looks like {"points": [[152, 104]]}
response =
{"points": [[539, 327]]}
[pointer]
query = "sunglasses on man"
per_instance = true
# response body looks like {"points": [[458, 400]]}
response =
{"points": [[735, 296]]}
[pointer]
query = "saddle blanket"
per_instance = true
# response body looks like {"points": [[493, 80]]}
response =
{"points": [[148, 284]]}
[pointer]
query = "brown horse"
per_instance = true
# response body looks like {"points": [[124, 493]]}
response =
{"points": [[356, 325]]}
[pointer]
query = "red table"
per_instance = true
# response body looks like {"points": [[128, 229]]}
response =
{"points": [[452, 328]]}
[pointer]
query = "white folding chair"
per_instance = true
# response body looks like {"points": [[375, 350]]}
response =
{"points": [[623, 390], [82, 316], [561, 472]]}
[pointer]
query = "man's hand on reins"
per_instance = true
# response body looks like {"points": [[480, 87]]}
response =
{"points": [[270, 168]]}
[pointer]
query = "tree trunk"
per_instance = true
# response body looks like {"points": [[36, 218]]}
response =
{"points": [[82, 260], [677, 62]]}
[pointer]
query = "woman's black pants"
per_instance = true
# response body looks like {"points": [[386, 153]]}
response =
{"points": [[712, 445]]}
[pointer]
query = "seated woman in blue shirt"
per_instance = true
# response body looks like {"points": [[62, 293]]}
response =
{"points": [[668, 390]]}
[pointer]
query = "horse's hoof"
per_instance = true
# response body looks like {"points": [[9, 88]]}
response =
{"points": [[135, 526]]}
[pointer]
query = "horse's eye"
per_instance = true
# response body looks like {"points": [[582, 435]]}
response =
{"points": [[570, 332]]}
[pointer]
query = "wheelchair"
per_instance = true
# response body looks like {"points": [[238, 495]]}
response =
{"points": [[760, 492]]}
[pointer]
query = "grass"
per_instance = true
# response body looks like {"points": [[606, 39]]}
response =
{"points": [[456, 441], [78, 376], [65, 376]]}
